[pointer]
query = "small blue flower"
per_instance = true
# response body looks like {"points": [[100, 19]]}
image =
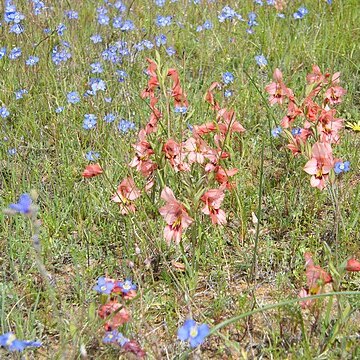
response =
{"points": [[23, 206], [109, 118], [261, 60], [126, 286], [60, 29], [228, 93], [72, 14], [296, 131], [97, 84], [96, 38], [160, 3], [193, 333], [180, 109], [14, 54], [228, 77], [17, 29], [89, 121], [341, 167], [276, 132], [96, 68], [103, 286], [4, 112], [73, 97], [92, 155], [115, 337], [122, 75], [300, 13], [125, 125], [170, 51], [19, 93], [12, 152], [10, 341], [32, 60], [59, 109], [160, 40], [2, 52], [163, 21]]}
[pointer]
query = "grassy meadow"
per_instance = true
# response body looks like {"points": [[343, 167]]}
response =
{"points": [[92, 85]]}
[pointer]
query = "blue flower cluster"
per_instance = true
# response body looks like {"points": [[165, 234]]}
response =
{"points": [[11, 343]]}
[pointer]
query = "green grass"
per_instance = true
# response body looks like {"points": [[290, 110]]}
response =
{"points": [[83, 235]]}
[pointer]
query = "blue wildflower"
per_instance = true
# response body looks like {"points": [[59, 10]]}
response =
{"points": [[125, 125], [10, 341], [19, 93], [115, 337], [122, 75], [163, 21], [193, 333], [23, 206], [296, 131], [180, 109], [12, 152], [2, 52], [170, 51], [60, 29], [59, 109], [227, 13], [96, 38], [300, 13], [228, 93], [103, 19], [160, 3], [261, 60], [340, 167], [32, 61], [15, 53], [17, 29], [73, 97], [160, 40], [92, 155], [228, 77], [89, 121], [276, 132], [4, 112], [71, 14], [109, 118], [103, 286], [96, 68], [97, 84], [126, 286]]}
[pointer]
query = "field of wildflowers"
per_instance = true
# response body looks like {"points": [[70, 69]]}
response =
{"points": [[180, 179]]}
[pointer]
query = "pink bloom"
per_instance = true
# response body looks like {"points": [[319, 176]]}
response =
{"points": [[352, 265], [143, 151], [126, 193], [316, 276], [277, 89], [320, 164], [175, 215], [292, 114], [92, 170], [209, 97], [197, 149], [335, 93], [213, 199], [177, 92], [305, 304], [222, 176]]}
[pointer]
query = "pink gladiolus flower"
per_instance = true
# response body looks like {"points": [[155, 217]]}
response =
{"points": [[277, 89], [316, 276], [305, 304], [320, 164], [353, 265], [197, 149], [175, 215], [335, 93], [143, 151], [126, 193], [213, 199]]}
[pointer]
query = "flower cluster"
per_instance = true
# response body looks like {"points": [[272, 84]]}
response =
{"points": [[116, 314], [312, 120]]}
